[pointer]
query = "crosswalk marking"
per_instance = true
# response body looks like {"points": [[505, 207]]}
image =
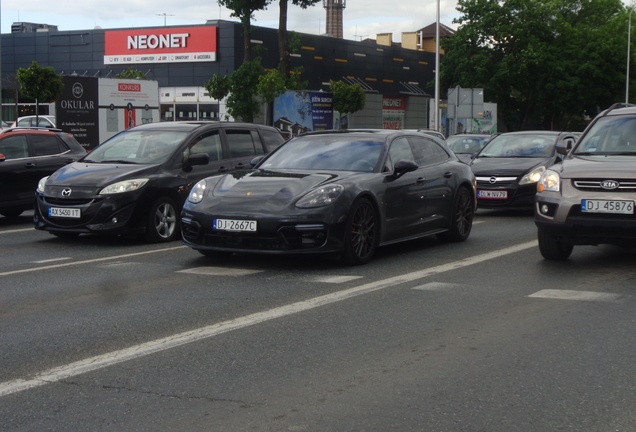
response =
{"points": [[577, 295], [436, 286], [334, 279], [220, 271]]}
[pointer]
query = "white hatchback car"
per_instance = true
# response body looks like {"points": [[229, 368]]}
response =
{"points": [[46, 121]]}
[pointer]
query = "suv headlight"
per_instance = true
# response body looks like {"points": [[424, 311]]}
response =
{"points": [[41, 184], [124, 186], [533, 176], [323, 196], [197, 192], [550, 181]]}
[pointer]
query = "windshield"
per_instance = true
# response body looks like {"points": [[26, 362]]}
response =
{"points": [[138, 147], [342, 152], [609, 135], [520, 146], [466, 145]]}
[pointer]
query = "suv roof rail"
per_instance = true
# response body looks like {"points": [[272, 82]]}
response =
{"points": [[618, 105]]}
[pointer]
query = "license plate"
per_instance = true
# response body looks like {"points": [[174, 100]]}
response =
{"points": [[607, 206], [65, 212], [234, 225], [492, 194]]}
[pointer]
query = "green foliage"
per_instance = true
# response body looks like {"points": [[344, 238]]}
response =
{"points": [[218, 86], [40, 83], [131, 73], [244, 11], [347, 98], [544, 62]]}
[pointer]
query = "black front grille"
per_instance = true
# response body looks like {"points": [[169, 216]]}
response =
{"points": [[67, 201], [242, 241]]}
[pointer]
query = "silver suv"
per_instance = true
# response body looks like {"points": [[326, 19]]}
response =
{"points": [[589, 198]]}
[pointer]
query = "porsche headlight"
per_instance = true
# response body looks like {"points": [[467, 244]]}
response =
{"points": [[550, 181], [41, 184], [124, 186], [532, 177], [322, 196], [197, 192]]}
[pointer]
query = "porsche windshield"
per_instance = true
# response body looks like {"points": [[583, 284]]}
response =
{"points": [[609, 136], [343, 152], [520, 146], [138, 147]]}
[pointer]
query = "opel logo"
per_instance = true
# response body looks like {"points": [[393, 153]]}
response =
{"points": [[610, 184], [66, 192], [492, 180]]}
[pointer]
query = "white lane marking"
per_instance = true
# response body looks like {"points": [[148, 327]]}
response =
{"points": [[220, 271], [17, 230], [436, 286], [478, 222], [577, 295], [51, 260], [90, 261], [334, 279], [116, 357]]}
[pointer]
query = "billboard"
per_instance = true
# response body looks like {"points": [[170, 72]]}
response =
{"points": [[160, 45], [94, 109], [393, 112]]}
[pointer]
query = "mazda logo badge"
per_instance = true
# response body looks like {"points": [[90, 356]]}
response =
{"points": [[493, 180], [66, 192], [610, 184]]}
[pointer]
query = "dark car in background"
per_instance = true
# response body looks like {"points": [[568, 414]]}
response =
{"points": [[137, 181], [27, 155], [590, 198], [467, 145], [339, 193], [508, 168]]}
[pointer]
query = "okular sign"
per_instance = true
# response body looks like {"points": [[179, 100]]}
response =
{"points": [[167, 45]]}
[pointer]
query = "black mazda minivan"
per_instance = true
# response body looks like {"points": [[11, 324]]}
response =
{"points": [[137, 181]]}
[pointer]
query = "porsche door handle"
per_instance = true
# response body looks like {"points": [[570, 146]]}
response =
{"points": [[420, 180], [448, 174], [29, 165]]}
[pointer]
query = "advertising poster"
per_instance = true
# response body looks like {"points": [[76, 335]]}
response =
{"points": [[77, 109], [393, 112], [299, 112]]}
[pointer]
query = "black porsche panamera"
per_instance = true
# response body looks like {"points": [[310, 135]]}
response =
{"points": [[333, 192]]}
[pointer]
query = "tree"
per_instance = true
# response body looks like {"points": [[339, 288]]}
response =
{"points": [[283, 37], [244, 11], [347, 98], [131, 73], [39, 83], [544, 62], [240, 88]]}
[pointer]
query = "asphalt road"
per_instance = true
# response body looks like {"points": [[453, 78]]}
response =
{"points": [[110, 334]]}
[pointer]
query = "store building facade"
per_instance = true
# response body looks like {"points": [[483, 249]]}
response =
{"points": [[183, 58]]}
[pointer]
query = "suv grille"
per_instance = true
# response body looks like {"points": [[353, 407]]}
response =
{"points": [[595, 186]]}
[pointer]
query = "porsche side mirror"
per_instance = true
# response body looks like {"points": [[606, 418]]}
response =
{"points": [[256, 160], [403, 166], [2, 158]]}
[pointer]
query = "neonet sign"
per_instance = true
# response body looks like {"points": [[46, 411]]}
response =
{"points": [[167, 45]]}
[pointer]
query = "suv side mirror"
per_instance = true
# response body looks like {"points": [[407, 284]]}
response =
{"points": [[198, 159], [563, 147]]}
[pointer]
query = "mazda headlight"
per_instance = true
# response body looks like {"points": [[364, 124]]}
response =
{"points": [[550, 181], [197, 192], [124, 186], [41, 184], [322, 196], [533, 176]]}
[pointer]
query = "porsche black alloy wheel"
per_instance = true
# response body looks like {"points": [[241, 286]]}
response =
{"points": [[361, 233], [462, 217], [163, 223]]}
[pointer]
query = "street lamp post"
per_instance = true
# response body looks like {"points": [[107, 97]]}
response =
{"points": [[164, 15], [436, 115], [629, 43]]}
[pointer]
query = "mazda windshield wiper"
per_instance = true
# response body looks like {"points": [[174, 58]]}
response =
{"points": [[121, 161]]}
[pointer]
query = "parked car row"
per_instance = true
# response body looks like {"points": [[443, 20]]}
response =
{"points": [[233, 187]]}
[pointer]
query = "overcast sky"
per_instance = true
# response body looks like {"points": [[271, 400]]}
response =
{"points": [[362, 18]]}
